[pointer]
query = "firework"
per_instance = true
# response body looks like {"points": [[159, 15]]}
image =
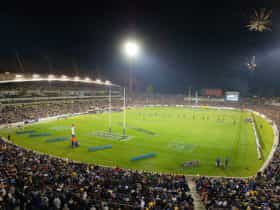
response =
{"points": [[260, 21], [251, 64]]}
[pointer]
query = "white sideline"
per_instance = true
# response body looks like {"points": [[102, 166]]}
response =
{"points": [[275, 141], [257, 139], [11, 125]]}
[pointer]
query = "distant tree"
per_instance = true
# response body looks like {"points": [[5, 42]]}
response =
{"points": [[150, 90]]}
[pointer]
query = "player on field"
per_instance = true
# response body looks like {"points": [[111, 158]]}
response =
{"points": [[74, 141]]}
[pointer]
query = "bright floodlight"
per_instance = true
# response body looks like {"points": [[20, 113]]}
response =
{"points": [[76, 78], [87, 79], [64, 77], [18, 76], [35, 76], [107, 82], [131, 49], [51, 76], [98, 81]]}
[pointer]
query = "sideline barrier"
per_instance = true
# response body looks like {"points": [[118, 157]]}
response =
{"points": [[257, 140], [25, 132], [59, 139], [145, 156], [62, 116], [193, 163], [39, 135], [111, 136], [94, 149], [275, 142]]}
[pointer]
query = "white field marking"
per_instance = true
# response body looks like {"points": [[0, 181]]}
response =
{"points": [[257, 140]]}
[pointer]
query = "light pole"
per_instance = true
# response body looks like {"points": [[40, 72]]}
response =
{"points": [[131, 50]]}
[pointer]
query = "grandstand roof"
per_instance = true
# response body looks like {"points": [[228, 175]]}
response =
{"points": [[18, 78]]}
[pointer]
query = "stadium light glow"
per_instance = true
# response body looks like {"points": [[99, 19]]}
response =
{"points": [[131, 49], [51, 76], [18, 76], [35, 76], [76, 78], [64, 77], [107, 82], [87, 79]]}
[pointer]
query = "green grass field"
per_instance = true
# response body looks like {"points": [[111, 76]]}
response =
{"points": [[176, 135]]}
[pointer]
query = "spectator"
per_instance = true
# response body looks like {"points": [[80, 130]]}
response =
{"points": [[34, 181]]}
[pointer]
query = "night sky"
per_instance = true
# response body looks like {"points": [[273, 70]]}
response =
{"points": [[182, 46]]}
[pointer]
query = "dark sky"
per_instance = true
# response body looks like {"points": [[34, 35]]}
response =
{"points": [[182, 45]]}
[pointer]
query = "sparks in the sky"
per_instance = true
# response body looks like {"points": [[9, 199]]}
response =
{"points": [[260, 21], [251, 64]]}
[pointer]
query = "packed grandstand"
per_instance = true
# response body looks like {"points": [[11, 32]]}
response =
{"points": [[32, 180]]}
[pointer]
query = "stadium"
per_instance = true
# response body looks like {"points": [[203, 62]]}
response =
{"points": [[165, 136], [100, 124], [171, 121]]}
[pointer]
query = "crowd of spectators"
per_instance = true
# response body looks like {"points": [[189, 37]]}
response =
{"points": [[32, 111], [34, 181], [51, 89]]}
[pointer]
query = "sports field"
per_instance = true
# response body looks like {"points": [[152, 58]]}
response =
{"points": [[168, 136]]}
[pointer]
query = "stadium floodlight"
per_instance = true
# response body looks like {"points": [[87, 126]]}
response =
{"points": [[51, 76], [35, 76], [87, 79], [18, 76], [76, 78], [131, 49], [98, 81], [64, 77], [107, 82]]}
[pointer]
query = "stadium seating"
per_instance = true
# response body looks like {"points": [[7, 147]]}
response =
{"points": [[32, 111], [34, 181]]}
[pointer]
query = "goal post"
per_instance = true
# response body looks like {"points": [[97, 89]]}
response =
{"points": [[124, 113], [116, 102], [110, 110]]}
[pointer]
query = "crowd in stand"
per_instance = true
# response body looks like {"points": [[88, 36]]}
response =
{"points": [[34, 181], [33, 111], [49, 89]]}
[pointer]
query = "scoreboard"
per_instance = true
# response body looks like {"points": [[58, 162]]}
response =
{"points": [[232, 96], [212, 92]]}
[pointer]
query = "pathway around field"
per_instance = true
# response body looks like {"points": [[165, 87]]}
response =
{"points": [[198, 204]]}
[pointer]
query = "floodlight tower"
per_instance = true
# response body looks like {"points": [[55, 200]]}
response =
{"points": [[131, 50]]}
